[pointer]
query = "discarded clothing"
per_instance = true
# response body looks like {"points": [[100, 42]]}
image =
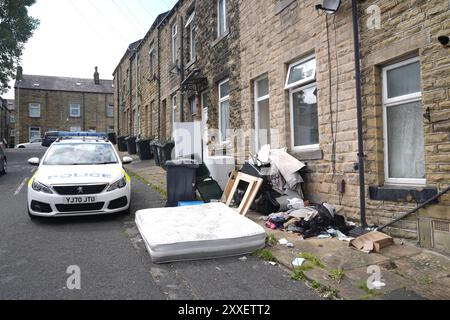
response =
{"points": [[279, 216], [324, 235], [294, 228], [295, 203], [323, 223], [307, 214]]}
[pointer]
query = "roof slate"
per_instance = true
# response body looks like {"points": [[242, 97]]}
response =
{"points": [[64, 84]]}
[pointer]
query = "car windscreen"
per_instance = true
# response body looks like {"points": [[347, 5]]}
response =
{"points": [[80, 154]]}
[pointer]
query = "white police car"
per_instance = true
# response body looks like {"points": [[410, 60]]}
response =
{"points": [[79, 176]]}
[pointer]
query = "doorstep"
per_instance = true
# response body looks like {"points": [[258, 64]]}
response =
{"points": [[407, 270]]}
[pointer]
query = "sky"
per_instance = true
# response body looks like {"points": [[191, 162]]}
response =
{"points": [[74, 36]]}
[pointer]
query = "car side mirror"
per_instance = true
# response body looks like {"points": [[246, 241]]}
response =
{"points": [[127, 160], [34, 161]]}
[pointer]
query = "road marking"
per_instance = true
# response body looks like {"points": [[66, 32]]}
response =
{"points": [[32, 170], [19, 188]]}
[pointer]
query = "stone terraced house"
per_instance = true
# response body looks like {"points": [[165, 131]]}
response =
{"points": [[46, 103], [286, 70]]}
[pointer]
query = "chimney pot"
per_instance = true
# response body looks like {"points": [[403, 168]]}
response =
{"points": [[96, 76], [19, 74]]}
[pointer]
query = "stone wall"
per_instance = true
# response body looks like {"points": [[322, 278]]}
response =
{"points": [[271, 41], [148, 93], [408, 29], [55, 111], [223, 62], [265, 38]]}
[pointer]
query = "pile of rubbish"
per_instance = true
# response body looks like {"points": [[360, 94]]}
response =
{"points": [[281, 198], [309, 222]]}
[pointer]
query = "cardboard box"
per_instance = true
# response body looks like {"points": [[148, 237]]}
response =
{"points": [[372, 241]]}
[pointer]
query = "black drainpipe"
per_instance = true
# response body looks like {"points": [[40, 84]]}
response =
{"points": [[158, 79], [181, 70], [130, 99], [118, 99], [361, 155]]}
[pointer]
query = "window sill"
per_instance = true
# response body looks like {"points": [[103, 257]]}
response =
{"points": [[307, 153], [190, 63], [402, 193], [173, 69], [219, 39], [281, 5]]}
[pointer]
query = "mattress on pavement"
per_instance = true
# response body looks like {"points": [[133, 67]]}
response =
{"points": [[206, 231]]}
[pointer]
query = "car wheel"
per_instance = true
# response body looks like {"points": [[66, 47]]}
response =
{"points": [[20, 147]]}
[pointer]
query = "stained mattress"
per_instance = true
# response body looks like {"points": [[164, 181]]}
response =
{"points": [[199, 232]]}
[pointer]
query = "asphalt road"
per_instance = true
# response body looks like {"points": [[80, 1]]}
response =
{"points": [[111, 256]]}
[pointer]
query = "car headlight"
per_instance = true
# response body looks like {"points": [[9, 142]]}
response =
{"points": [[118, 184], [40, 187]]}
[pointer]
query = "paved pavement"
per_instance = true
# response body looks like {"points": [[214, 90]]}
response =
{"points": [[409, 272], [35, 255]]}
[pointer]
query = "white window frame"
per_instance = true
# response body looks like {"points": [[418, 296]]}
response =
{"points": [[72, 107], [138, 73], [108, 108], [12, 118], [391, 102], [223, 19], [12, 132], [174, 42], [154, 119], [221, 100], [34, 106], [137, 123], [152, 62], [304, 81], [29, 132], [174, 110], [204, 121], [291, 104], [257, 101], [192, 44], [192, 107]]}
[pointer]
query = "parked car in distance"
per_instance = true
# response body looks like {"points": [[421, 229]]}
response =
{"points": [[50, 137], [79, 176], [33, 144], [3, 160]]}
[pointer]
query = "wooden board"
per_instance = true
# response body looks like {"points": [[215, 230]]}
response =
{"points": [[254, 184], [229, 186]]}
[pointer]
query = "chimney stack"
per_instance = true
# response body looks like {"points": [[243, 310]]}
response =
{"points": [[96, 76], [19, 74]]}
